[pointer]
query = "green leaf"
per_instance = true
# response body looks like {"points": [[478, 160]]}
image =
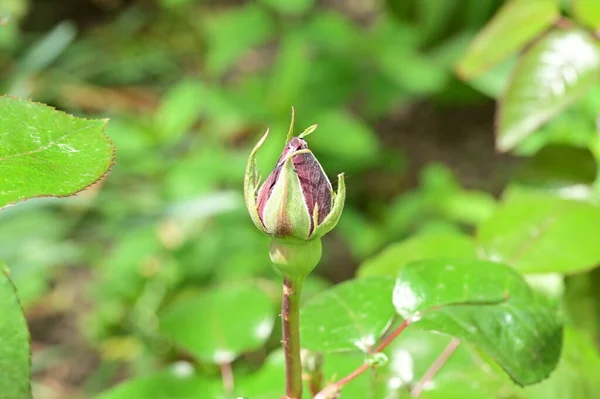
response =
{"points": [[556, 71], [411, 72], [517, 22], [45, 152], [266, 383], [338, 365], [465, 375], [180, 109], [178, 382], [537, 233], [348, 317], [575, 126], [493, 82], [290, 71], [290, 7], [336, 33], [344, 137], [581, 302], [225, 43], [362, 235], [576, 376], [173, 4], [558, 167], [15, 363], [468, 375], [420, 247], [434, 18], [394, 51], [587, 12], [31, 226], [220, 324], [487, 304]]}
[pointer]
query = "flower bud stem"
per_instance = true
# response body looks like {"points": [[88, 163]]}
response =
{"points": [[290, 318]]}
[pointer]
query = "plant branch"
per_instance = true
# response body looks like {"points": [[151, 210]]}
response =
{"points": [[312, 363], [315, 382], [227, 377], [388, 340], [290, 318], [331, 391], [435, 367]]}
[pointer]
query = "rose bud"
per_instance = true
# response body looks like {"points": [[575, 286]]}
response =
{"points": [[297, 200]]}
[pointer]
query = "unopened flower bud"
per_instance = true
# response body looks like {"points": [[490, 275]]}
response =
{"points": [[297, 200]]}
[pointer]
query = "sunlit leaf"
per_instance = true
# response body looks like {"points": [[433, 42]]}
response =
{"points": [[466, 375], [586, 12], [219, 324], [45, 152], [537, 233], [15, 363], [348, 317], [494, 81], [487, 304], [515, 24], [557, 70], [419, 247]]}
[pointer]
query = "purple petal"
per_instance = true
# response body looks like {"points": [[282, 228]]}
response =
{"points": [[316, 187]]}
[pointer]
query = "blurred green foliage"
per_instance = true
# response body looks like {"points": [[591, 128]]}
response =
{"points": [[190, 85]]}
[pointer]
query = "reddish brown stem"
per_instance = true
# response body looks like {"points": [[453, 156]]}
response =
{"points": [[435, 367], [353, 375], [290, 318], [315, 382], [227, 377], [330, 391], [388, 340]]}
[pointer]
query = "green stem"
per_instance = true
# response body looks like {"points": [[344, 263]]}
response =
{"points": [[290, 318]]}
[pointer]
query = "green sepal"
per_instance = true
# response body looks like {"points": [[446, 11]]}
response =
{"points": [[336, 212], [290, 133], [251, 185], [295, 259], [285, 213], [308, 131]]}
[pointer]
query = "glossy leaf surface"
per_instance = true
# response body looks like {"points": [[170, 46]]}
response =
{"points": [[348, 317], [487, 304], [556, 71], [518, 22], [45, 152]]}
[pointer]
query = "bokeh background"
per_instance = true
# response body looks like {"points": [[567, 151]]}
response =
{"points": [[189, 86]]}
